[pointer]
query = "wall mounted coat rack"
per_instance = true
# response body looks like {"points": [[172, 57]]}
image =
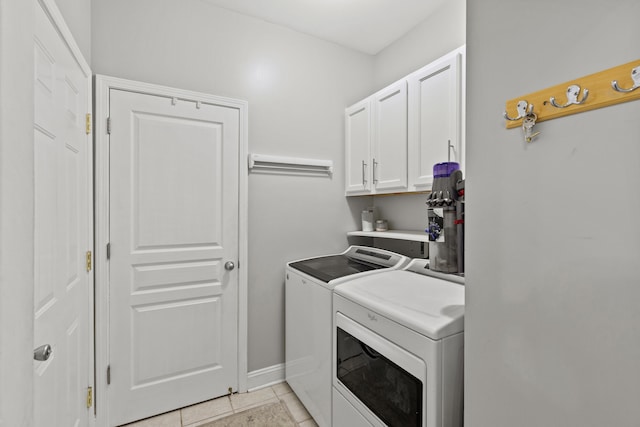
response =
{"points": [[602, 89]]}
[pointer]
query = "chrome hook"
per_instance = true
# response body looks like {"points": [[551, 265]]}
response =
{"points": [[635, 75], [523, 108], [573, 92]]}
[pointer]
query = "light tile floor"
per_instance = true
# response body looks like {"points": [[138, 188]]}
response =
{"points": [[202, 413]]}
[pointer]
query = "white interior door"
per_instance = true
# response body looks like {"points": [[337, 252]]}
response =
{"points": [[63, 230], [173, 306]]}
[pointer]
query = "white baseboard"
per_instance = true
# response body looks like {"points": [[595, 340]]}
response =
{"points": [[265, 377]]}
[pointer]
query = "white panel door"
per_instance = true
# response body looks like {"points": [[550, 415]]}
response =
{"points": [[63, 230], [390, 138], [434, 119], [173, 227], [358, 148]]}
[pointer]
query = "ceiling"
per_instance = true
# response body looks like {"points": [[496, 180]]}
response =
{"points": [[367, 26]]}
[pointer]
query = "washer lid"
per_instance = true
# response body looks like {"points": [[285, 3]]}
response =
{"points": [[430, 306], [355, 260]]}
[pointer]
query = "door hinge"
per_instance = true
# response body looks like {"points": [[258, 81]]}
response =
{"points": [[108, 250], [89, 397], [88, 261], [108, 374], [88, 123], [109, 125]]}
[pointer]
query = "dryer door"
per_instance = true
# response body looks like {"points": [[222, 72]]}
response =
{"points": [[379, 374]]}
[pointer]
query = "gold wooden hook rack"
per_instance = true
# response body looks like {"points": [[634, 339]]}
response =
{"points": [[602, 89]]}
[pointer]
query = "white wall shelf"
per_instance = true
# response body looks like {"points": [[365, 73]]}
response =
{"points": [[413, 235], [281, 164]]}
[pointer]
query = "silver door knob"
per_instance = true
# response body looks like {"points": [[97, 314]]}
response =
{"points": [[229, 265], [42, 353]]}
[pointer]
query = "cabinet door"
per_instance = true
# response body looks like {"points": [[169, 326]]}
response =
{"points": [[357, 142], [389, 162], [434, 118]]}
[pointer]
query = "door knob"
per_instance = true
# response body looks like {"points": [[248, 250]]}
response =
{"points": [[42, 353], [229, 265]]}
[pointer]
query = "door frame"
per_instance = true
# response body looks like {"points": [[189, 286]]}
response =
{"points": [[102, 86]]}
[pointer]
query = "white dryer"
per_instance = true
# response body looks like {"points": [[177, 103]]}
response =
{"points": [[398, 350], [308, 318]]}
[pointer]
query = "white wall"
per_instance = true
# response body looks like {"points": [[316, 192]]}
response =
{"points": [[297, 88], [403, 211], [553, 240], [77, 16], [437, 35], [16, 212]]}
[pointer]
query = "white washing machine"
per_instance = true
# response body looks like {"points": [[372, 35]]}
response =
{"points": [[399, 350], [308, 319]]}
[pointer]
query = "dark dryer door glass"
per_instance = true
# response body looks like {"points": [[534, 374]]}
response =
{"points": [[332, 267], [389, 391]]}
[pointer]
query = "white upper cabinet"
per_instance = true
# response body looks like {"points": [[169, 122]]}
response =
{"points": [[376, 142], [395, 136], [389, 162], [358, 148], [435, 118]]}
